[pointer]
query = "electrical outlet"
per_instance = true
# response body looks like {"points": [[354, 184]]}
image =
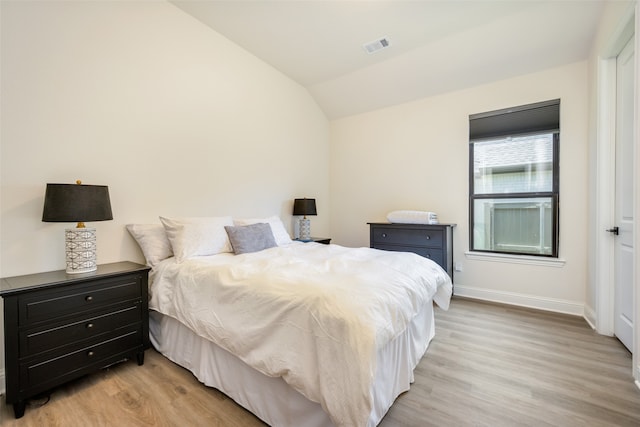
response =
{"points": [[457, 266]]}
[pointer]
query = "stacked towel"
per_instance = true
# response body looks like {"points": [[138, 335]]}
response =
{"points": [[413, 217]]}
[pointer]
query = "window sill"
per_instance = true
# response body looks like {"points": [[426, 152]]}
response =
{"points": [[516, 259]]}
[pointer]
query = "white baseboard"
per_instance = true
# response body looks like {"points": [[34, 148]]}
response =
{"points": [[531, 301], [590, 317]]}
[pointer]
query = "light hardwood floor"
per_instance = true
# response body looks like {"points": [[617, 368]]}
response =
{"points": [[489, 365]]}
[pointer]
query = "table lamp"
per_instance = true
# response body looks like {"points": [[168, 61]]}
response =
{"points": [[304, 207], [78, 203]]}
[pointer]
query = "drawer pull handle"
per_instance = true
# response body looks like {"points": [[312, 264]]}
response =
{"points": [[428, 237], [384, 234], [429, 256], [89, 325], [88, 298], [90, 353]]}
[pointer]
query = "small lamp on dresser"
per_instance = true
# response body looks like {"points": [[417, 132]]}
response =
{"points": [[78, 203], [305, 207]]}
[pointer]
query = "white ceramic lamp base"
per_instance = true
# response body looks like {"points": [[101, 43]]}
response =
{"points": [[80, 246], [305, 229]]}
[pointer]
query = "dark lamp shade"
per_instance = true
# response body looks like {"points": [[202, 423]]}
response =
{"points": [[304, 207], [76, 203]]}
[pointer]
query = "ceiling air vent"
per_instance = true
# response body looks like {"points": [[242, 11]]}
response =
{"points": [[376, 45]]}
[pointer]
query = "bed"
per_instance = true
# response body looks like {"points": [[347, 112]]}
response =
{"points": [[300, 334]]}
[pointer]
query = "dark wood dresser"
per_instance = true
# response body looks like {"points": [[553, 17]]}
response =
{"points": [[59, 326], [433, 241]]}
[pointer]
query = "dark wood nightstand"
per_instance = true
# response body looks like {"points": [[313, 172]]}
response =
{"points": [[59, 326], [323, 240]]}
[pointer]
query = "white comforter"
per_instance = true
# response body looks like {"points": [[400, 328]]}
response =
{"points": [[312, 314]]}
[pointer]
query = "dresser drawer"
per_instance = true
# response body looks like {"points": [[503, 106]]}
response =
{"points": [[88, 327], [406, 236], [41, 374], [433, 241], [434, 254], [73, 300]]}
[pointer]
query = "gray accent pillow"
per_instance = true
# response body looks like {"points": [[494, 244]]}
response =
{"points": [[250, 238]]}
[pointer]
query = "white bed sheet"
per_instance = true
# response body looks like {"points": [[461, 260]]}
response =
{"points": [[293, 311], [271, 399]]}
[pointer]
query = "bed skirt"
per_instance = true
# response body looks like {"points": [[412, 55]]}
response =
{"points": [[270, 398]]}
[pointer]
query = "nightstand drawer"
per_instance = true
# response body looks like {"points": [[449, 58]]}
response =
{"points": [[89, 327], [436, 255], [431, 238], [40, 374], [77, 299]]}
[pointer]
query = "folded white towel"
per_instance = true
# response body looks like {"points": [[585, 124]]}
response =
{"points": [[413, 217]]}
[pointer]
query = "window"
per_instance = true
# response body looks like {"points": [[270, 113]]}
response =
{"points": [[513, 180]]}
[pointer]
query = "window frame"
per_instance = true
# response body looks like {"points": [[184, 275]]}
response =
{"points": [[553, 195]]}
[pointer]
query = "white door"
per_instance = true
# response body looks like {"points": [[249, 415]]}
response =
{"points": [[624, 215]]}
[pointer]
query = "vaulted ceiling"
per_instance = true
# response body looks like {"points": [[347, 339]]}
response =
{"points": [[435, 46]]}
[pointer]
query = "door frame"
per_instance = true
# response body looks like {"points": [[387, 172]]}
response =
{"points": [[605, 184]]}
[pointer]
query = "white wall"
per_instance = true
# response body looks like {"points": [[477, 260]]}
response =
{"points": [[415, 156], [139, 96]]}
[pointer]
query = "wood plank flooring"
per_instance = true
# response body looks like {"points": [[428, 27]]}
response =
{"points": [[489, 365]]}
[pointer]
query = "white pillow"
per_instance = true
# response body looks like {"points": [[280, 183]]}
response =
{"points": [[153, 241], [413, 217], [277, 227], [191, 237]]}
